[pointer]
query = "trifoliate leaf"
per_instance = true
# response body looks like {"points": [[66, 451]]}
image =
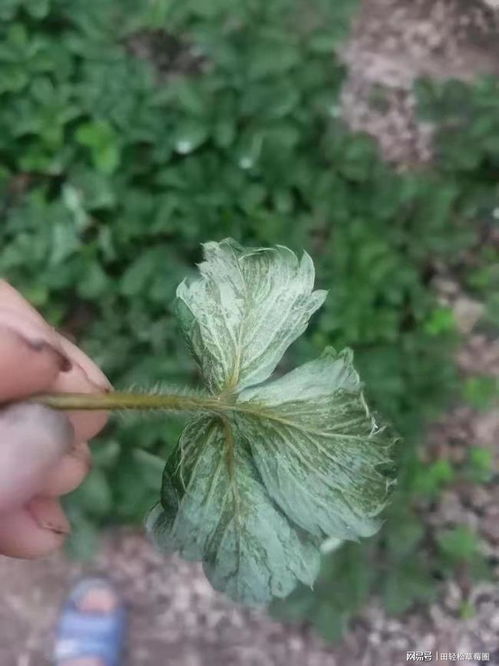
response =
{"points": [[258, 483]]}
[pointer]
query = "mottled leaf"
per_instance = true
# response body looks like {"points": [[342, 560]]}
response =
{"points": [[317, 447], [244, 310], [257, 485], [218, 511]]}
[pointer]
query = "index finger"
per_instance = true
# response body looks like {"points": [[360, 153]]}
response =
{"points": [[30, 356], [83, 377], [34, 358]]}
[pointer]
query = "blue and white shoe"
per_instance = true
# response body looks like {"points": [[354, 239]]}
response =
{"points": [[81, 633]]}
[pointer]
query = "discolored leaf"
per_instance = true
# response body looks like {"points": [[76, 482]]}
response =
{"points": [[318, 448], [257, 485], [225, 517], [244, 310]]}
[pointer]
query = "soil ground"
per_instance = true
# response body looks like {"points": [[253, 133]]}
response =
{"points": [[176, 618]]}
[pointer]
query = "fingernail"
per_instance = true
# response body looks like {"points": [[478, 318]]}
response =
{"points": [[81, 453], [49, 515], [38, 344], [90, 371], [42, 345]]}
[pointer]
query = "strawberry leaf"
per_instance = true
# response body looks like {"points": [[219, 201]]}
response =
{"points": [[244, 310], [257, 486]]}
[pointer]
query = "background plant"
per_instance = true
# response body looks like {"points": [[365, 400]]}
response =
{"points": [[131, 132]]}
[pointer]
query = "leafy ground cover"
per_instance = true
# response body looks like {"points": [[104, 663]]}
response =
{"points": [[130, 135]]}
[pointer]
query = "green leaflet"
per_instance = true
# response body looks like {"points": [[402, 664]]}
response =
{"points": [[225, 517], [244, 310], [257, 486], [317, 448]]}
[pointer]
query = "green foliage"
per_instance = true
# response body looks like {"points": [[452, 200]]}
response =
{"points": [[480, 392], [467, 610], [458, 544], [123, 146], [293, 461], [467, 117], [428, 480], [459, 548], [340, 590], [467, 150], [479, 467]]}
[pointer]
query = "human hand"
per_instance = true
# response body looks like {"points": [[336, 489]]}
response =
{"points": [[43, 452]]}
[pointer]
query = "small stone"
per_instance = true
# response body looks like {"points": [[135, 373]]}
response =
{"points": [[467, 313], [490, 528]]}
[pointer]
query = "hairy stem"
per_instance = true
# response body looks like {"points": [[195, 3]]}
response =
{"points": [[221, 405], [139, 401]]}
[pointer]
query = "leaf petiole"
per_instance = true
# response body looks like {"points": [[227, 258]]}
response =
{"points": [[122, 400]]}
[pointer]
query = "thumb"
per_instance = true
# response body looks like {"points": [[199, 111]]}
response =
{"points": [[32, 439]]}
